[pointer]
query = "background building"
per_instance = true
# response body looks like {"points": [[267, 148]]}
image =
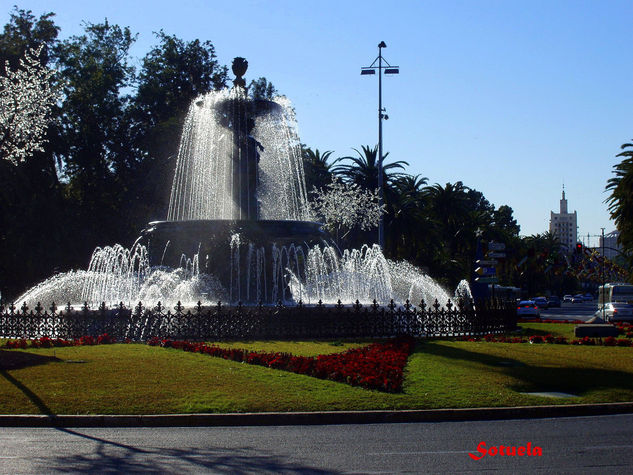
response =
{"points": [[564, 226], [611, 247]]}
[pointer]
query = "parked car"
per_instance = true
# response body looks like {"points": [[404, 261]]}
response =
{"points": [[577, 299], [567, 298], [527, 308], [553, 301], [588, 297], [541, 302], [617, 311]]}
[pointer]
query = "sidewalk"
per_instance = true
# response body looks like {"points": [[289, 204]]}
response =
{"points": [[312, 418]]}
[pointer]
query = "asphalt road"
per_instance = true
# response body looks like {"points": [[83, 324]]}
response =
{"points": [[572, 311], [600, 444]]}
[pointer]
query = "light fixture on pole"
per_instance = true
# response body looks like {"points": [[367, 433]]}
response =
{"points": [[388, 69]]}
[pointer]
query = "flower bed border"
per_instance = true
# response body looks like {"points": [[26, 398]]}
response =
{"points": [[376, 366]]}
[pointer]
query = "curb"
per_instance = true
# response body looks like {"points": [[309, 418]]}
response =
{"points": [[315, 418]]}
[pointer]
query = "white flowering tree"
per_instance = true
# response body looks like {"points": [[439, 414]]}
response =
{"points": [[344, 207], [26, 99]]}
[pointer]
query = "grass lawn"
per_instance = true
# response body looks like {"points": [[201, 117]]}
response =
{"points": [[528, 329], [139, 379]]}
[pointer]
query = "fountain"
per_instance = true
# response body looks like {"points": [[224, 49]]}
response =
{"points": [[238, 199], [239, 227]]}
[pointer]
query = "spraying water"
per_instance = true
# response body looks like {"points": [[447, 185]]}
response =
{"points": [[238, 201], [238, 159], [116, 274]]}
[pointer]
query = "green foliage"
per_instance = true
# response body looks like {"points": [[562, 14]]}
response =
{"points": [[317, 168], [620, 200], [363, 169], [30, 193], [93, 145], [172, 74], [24, 32], [262, 89]]}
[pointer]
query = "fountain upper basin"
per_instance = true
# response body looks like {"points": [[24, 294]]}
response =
{"points": [[167, 241]]}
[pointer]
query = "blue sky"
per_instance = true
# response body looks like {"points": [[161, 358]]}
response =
{"points": [[514, 98]]}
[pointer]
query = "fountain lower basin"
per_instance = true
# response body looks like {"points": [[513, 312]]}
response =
{"points": [[250, 258]]}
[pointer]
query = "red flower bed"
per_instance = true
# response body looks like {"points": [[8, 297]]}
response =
{"points": [[47, 342], [377, 366], [558, 340]]}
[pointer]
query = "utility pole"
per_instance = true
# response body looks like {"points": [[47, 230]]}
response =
{"points": [[603, 276], [388, 70]]}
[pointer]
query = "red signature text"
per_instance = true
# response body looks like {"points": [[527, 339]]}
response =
{"points": [[506, 450]]}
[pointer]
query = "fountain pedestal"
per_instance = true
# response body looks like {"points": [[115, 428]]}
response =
{"points": [[250, 258]]}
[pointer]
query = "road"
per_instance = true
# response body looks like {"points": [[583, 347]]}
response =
{"points": [[571, 311], [600, 444]]}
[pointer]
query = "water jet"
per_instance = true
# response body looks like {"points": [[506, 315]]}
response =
{"points": [[239, 226]]}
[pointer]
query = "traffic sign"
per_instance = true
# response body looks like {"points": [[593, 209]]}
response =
{"points": [[489, 262], [496, 246], [487, 280], [486, 270], [496, 255]]}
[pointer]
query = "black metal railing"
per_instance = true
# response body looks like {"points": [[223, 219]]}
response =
{"points": [[239, 322]]}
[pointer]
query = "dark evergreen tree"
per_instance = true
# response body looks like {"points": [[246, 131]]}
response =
{"points": [[25, 31], [262, 89], [172, 74], [94, 146], [31, 206]]}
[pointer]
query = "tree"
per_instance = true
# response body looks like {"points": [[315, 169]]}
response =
{"points": [[97, 70], [405, 218], [363, 169], [456, 213], [30, 192], [316, 166], [544, 265], [262, 89], [25, 32], [620, 200], [345, 206], [27, 96], [172, 74], [94, 142]]}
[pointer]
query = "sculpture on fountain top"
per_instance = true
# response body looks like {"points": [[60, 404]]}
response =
{"points": [[239, 67], [237, 115], [244, 151]]}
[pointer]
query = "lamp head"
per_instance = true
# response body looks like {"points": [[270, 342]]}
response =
{"points": [[382, 45]]}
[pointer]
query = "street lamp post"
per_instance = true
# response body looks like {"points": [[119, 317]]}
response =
{"points": [[371, 69], [603, 276]]}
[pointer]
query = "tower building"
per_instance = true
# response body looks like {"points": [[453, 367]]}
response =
{"points": [[564, 226]]}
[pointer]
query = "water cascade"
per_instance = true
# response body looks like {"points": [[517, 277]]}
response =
{"points": [[238, 227]]}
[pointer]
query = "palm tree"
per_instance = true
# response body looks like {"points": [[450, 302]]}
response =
{"points": [[543, 253], [363, 169], [621, 199], [318, 172], [449, 204], [452, 219], [405, 216]]}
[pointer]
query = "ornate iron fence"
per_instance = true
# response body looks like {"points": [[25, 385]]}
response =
{"points": [[220, 322]]}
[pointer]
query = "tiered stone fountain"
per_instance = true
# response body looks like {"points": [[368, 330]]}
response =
{"points": [[239, 227]]}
